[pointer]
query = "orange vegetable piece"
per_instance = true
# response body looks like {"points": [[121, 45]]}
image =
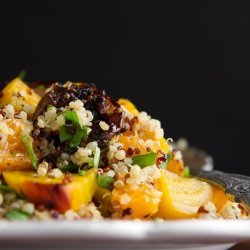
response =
{"points": [[20, 95], [133, 140], [182, 197], [13, 155], [141, 203], [219, 198], [53, 193], [176, 167], [128, 105]]}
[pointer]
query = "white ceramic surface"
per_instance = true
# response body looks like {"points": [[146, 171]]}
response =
{"points": [[188, 234]]}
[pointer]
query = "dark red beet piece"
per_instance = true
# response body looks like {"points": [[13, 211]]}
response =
{"points": [[97, 101]]}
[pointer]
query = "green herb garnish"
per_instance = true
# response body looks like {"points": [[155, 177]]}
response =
{"points": [[81, 132], [105, 181], [5, 188], [74, 139], [186, 172], [96, 159], [17, 215], [144, 160], [27, 141], [79, 135], [22, 74], [73, 117], [71, 167], [64, 135]]}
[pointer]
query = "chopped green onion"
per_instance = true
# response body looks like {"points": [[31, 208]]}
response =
{"points": [[5, 188], [27, 141], [64, 135], [82, 172], [105, 181], [96, 159], [74, 139], [165, 163], [22, 74], [51, 107], [71, 167], [17, 215], [144, 160], [186, 172], [73, 117], [80, 134]]}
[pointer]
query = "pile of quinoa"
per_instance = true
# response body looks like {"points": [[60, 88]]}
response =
{"points": [[100, 123]]}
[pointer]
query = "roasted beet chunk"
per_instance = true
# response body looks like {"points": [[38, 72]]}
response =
{"points": [[96, 103]]}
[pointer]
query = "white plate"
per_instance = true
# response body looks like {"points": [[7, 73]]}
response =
{"points": [[186, 234]]}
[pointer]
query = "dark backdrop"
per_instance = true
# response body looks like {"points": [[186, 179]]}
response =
{"points": [[186, 63]]}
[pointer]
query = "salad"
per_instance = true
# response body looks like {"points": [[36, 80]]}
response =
{"points": [[71, 152]]}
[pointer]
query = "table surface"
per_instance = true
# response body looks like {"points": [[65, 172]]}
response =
{"points": [[241, 246]]}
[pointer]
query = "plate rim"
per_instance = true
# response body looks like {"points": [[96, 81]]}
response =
{"points": [[182, 231]]}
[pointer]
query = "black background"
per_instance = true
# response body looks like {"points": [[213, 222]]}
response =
{"points": [[186, 63]]}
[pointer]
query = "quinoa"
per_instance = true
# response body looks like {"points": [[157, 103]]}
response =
{"points": [[98, 158]]}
